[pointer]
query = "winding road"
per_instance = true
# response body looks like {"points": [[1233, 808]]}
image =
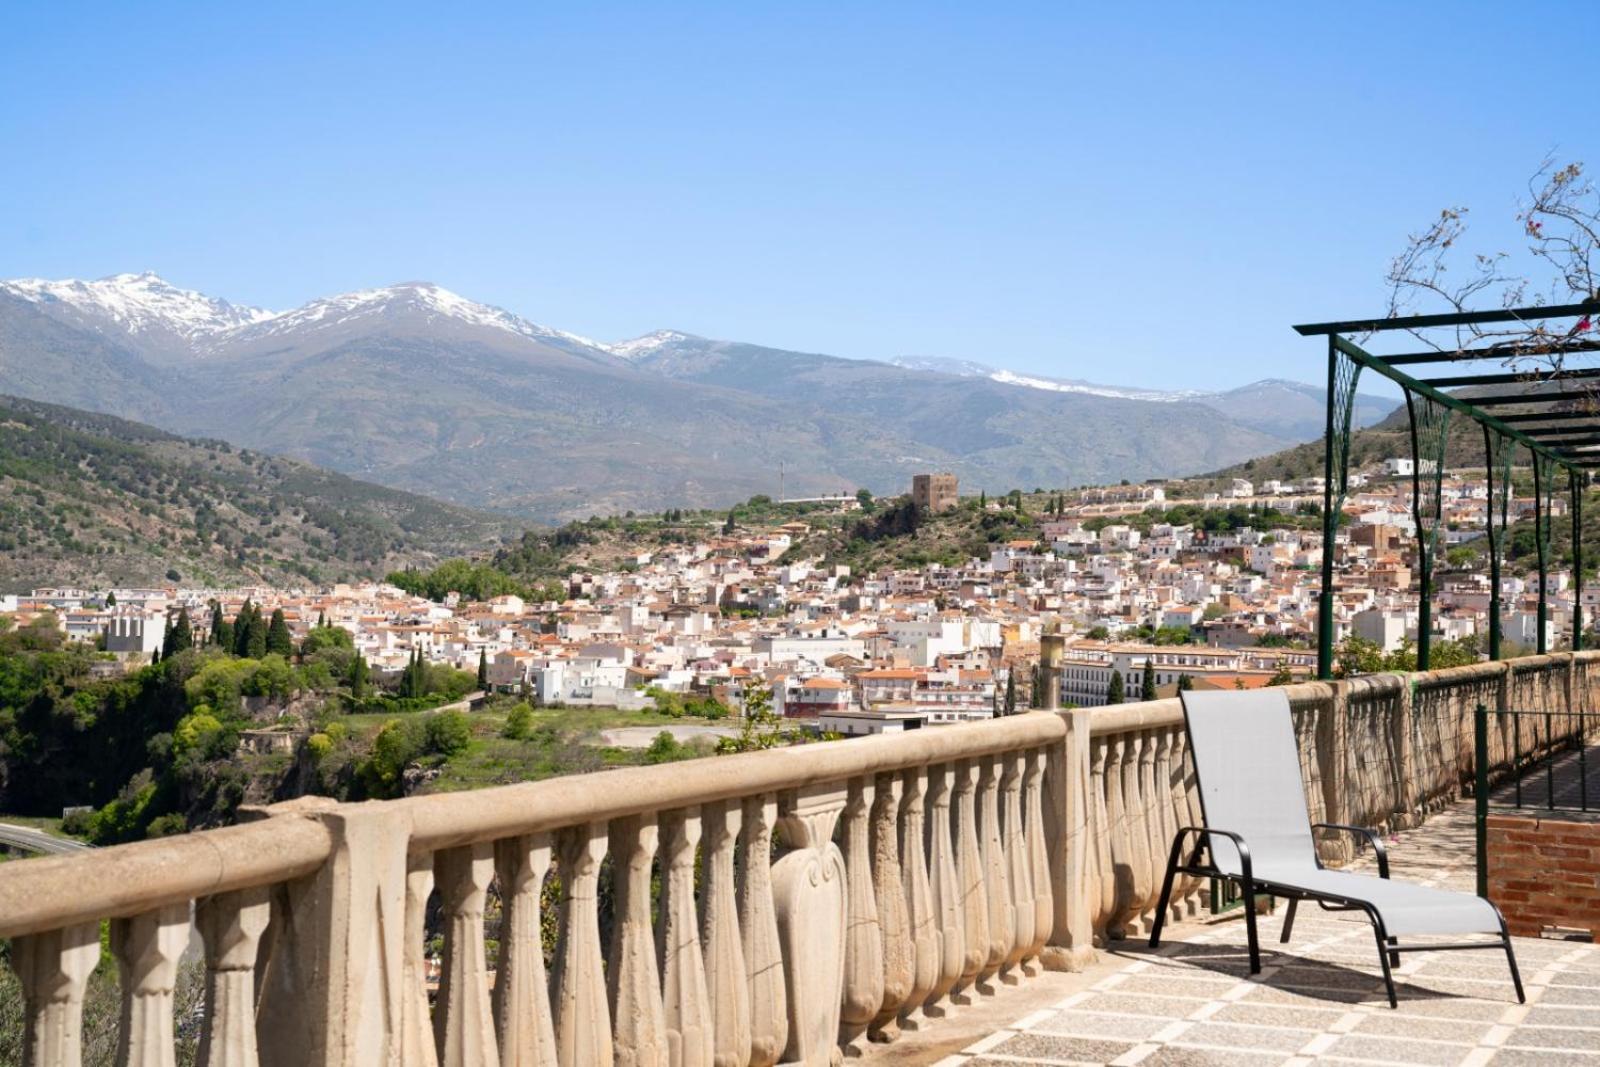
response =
{"points": [[26, 837]]}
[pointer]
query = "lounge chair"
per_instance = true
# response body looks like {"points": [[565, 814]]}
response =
{"points": [[1258, 833]]}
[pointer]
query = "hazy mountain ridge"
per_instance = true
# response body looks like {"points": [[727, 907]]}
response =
{"points": [[416, 387], [87, 498]]}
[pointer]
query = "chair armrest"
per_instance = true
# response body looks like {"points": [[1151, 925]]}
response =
{"points": [[1361, 831], [1205, 832]]}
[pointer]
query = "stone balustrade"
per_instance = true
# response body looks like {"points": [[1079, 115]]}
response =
{"points": [[743, 910]]}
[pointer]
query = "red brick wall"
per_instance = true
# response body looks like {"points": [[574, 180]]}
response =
{"points": [[1545, 871]]}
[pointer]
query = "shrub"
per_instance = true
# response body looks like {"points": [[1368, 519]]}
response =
{"points": [[319, 745], [448, 732], [519, 723]]}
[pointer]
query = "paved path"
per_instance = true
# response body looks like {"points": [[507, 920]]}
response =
{"points": [[1574, 775], [1318, 999], [26, 837]]}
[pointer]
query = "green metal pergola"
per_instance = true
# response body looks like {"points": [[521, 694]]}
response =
{"points": [[1554, 415]]}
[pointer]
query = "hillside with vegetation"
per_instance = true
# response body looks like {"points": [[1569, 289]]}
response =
{"points": [[88, 499]]}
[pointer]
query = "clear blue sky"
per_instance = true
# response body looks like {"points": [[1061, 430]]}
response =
{"points": [[1143, 196]]}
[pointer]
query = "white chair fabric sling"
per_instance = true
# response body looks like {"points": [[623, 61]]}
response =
{"points": [[1258, 833]]}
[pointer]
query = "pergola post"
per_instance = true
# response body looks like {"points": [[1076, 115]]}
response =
{"points": [[1497, 453], [1577, 478], [1430, 429], [1330, 526], [1541, 539]]}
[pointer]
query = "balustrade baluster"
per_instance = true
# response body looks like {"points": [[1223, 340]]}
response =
{"points": [[997, 883], [727, 985], [944, 887], [1019, 864], [1185, 885], [1102, 877], [1147, 880], [463, 1023], [523, 1026], [147, 948], [1163, 826], [969, 880], [54, 968], [1038, 852], [582, 1023], [808, 887], [686, 1002], [863, 944], [919, 896], [758, 924], [899, 953], [1121, 787], [415, 1040], [231, 925]]}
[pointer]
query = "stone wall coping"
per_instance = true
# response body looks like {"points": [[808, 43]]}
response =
{"points": [[51, 892], [447, 820]]}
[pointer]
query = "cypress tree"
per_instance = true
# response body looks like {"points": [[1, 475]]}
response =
{"points": [[483, 669], [111, 600], [983, 500], [1147, 691], [180, 636], [278, 640], [1011, 692], [256, 639], [358, 676], [1114, 694], [1185, 683], [216, 625], [729, 526], [241, 629]]}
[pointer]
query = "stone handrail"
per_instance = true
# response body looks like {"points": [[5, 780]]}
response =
{"points": [[739, 910]]}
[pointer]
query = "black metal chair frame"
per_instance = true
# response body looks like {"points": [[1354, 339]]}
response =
{"points": [[1388, 947]]}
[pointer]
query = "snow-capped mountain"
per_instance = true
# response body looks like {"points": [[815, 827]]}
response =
{"points": [[143, 308], [968, 369], [649, 344], [167, 323], [426, 302], [418, 387]]}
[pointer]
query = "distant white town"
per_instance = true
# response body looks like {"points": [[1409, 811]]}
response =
{"points": [[900, 649]]}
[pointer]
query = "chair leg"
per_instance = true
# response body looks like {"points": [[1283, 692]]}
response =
{"points": [[1394, 957], [1288, 922], [1384, 941], [1166, 891], [1511, 959], [1249, 889]]}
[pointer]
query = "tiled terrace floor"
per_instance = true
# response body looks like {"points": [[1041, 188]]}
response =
{"points": [[1320, 998]]}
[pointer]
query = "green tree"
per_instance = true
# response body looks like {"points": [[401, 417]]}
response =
{"points": [[759, 727], [1147, 687], [519, 722], [483, 669], [358, 677], [242, 624], [729, 526], [180, 636], [111, 600], [217, 623], [1010, 707], [1185, 683], [1114, 692], [278, 640], [448, 733]]}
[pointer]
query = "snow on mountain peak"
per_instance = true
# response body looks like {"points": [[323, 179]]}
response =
{"points": [[425, 297], [650, 343], [140, 304]]}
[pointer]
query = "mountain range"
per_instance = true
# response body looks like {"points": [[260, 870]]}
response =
{"points": [[415, 387]]}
